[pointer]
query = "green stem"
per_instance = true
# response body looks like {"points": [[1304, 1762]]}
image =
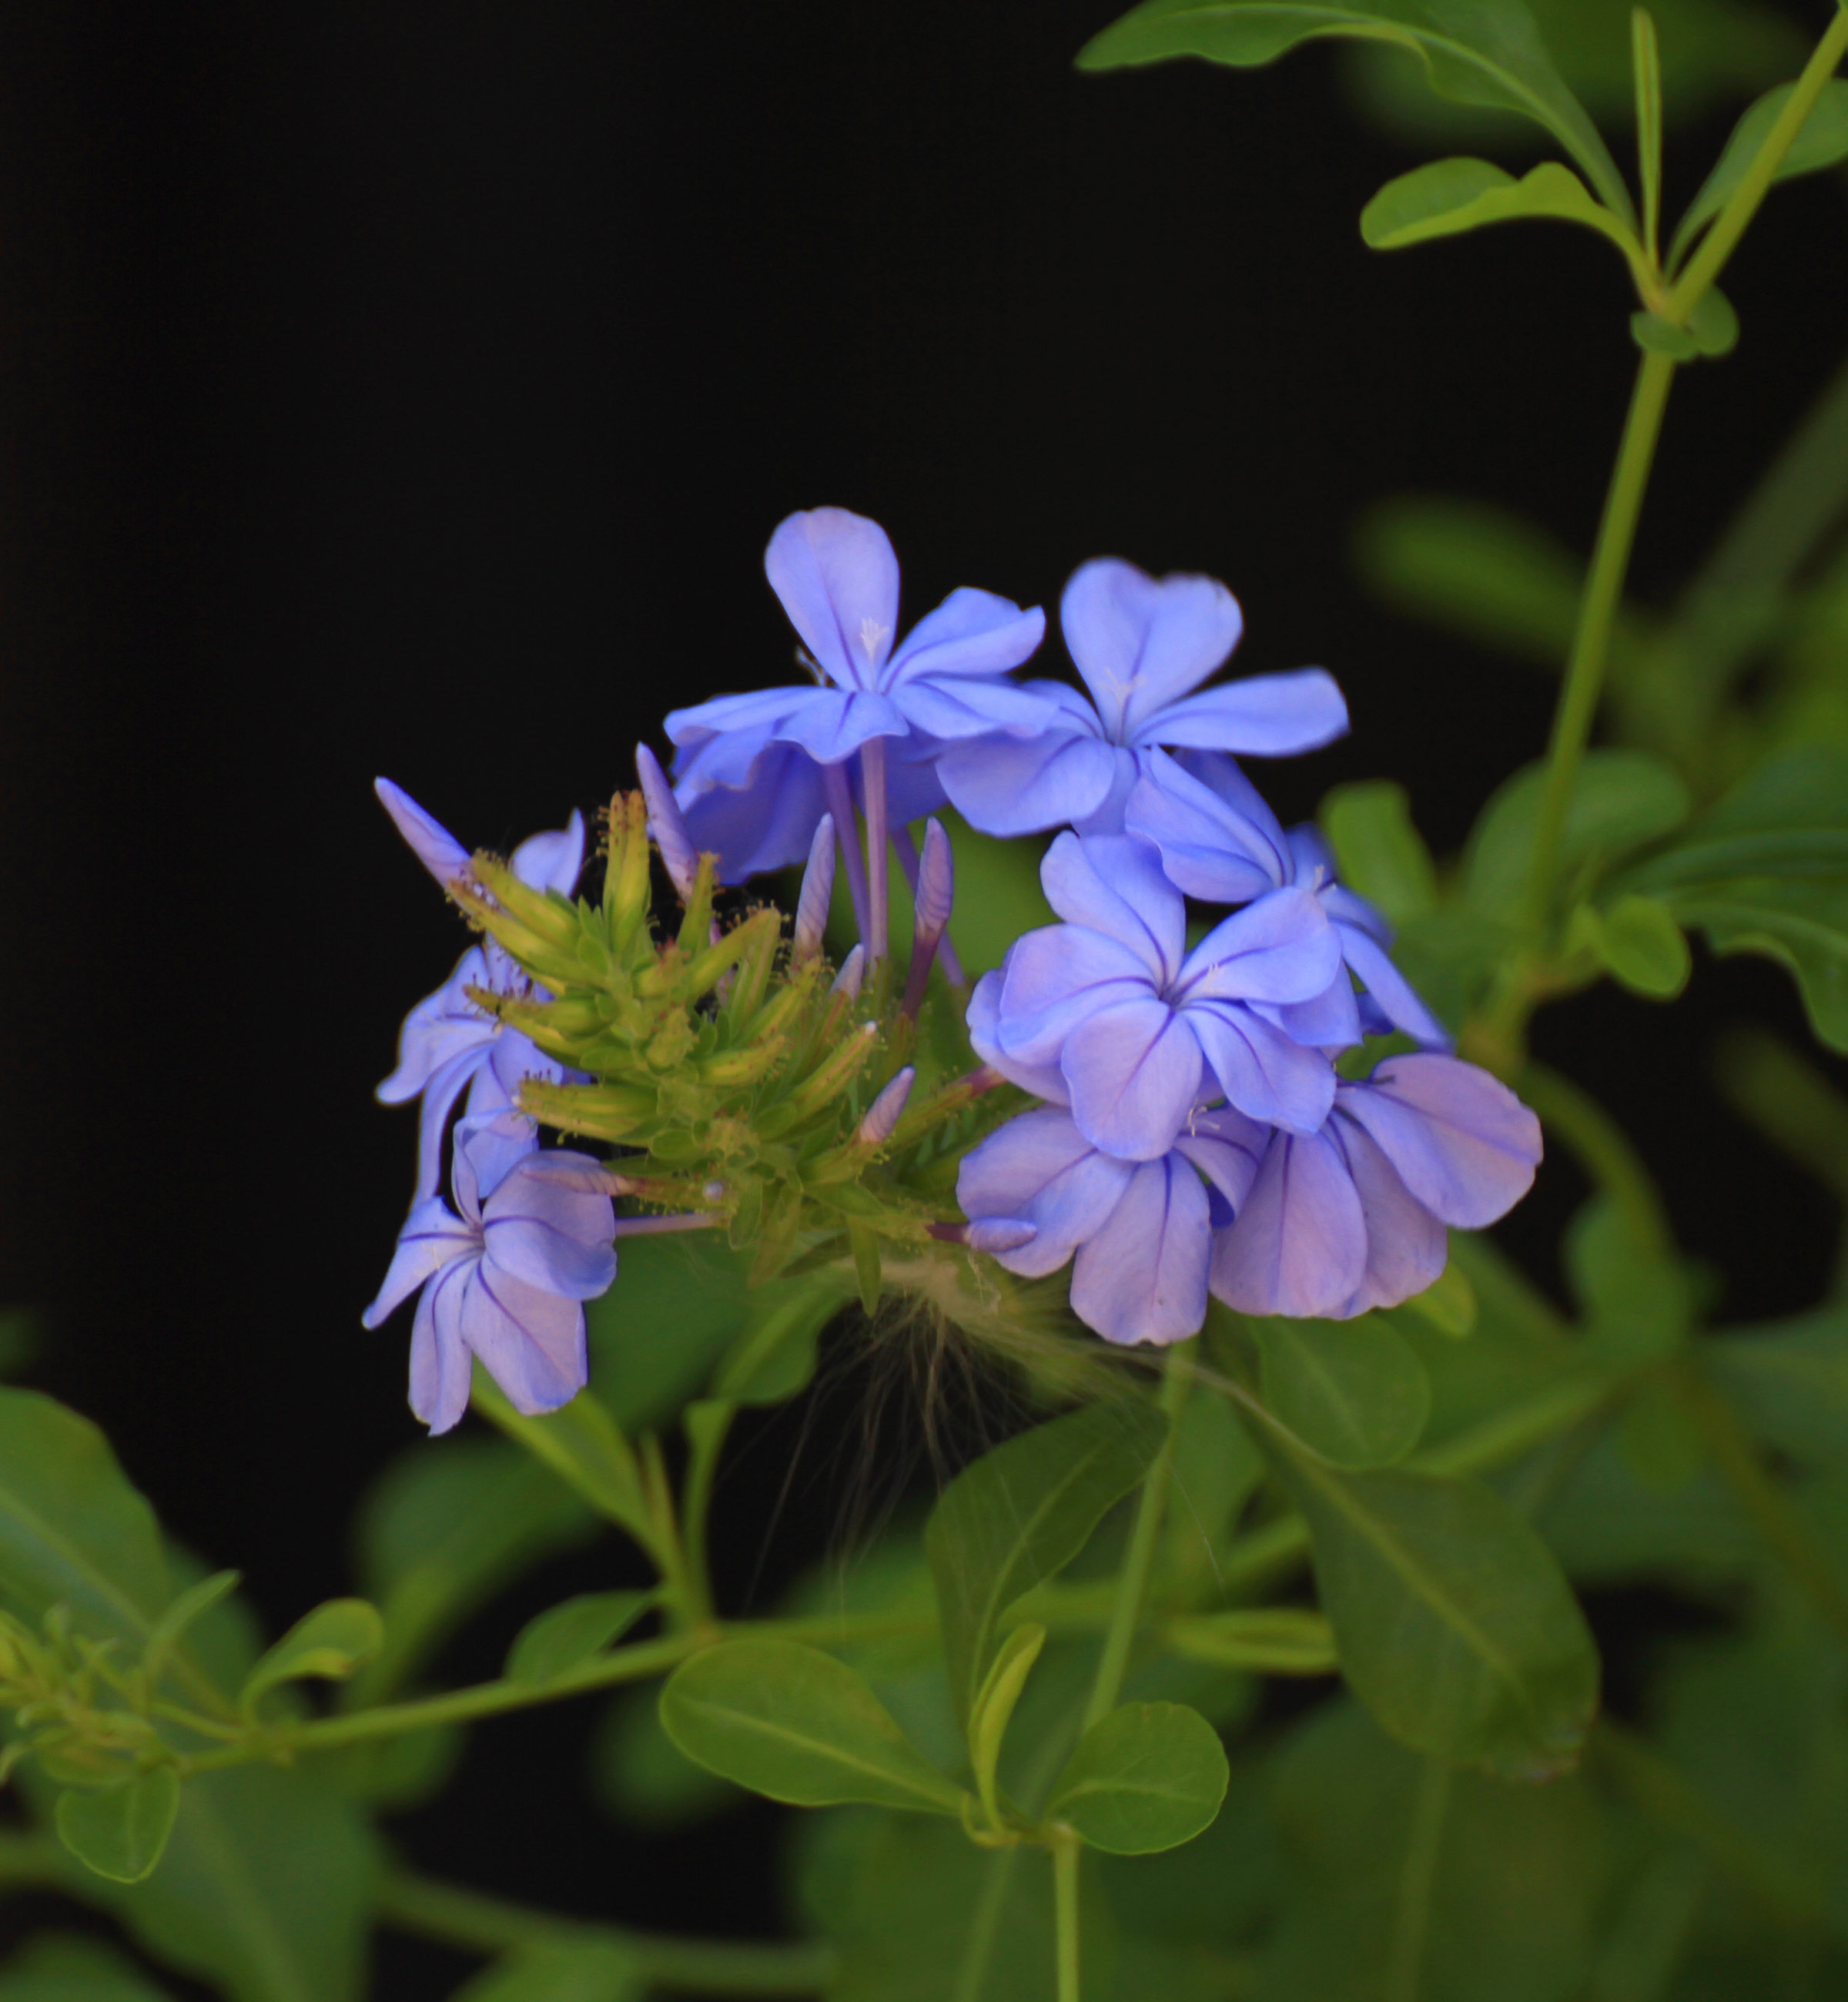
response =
{"points": [[705, 1434], [1603, 1150], [471, 1919], [984, 1925], [1729, 225], [1591, 643], [1418, 1874], [1065, 1853], [1132, 1580]]}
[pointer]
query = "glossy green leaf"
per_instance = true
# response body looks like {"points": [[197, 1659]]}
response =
{"points": [[1455, 1626], [1023, 1512], [994, 1706], [1379, 852], [330, 1644], [1149, 1776], [792, 1723], [1449, 197], [447, 1526], [1623, 799], [264, 1890], [1352, 1391], [566, 1636], [1267, 1640], [1642, 946], [120, 1831], [582, 1444], [582, 1971], [1487, 54], [53, 1968], [1803, 925], [1821, 141]]}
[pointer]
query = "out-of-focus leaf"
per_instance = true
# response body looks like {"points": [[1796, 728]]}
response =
{"points": [[264, 1891], [1821, 141], [584, 1971], [1379, 852], [1450, 198], [1802, 925], [1609, 1527], [564, 1636], [1351, 1391], [655, 1337], [1023, 1512], [1640, 944], [794, 1724], [1216, 1470], [1271, 1639], [330, 1643], [1623, 799], [1448, 956], [1489, 54], [1410, 1879], [118, 1831], [1636, 1300], [18, 1340], [582, 1444], [1787, 1098], [1455, 1624], [1712, 329], [773, 1355], [643, 1776], [1149, 1776], [446, 1527], [1447, 1304], [1790, 1381], [55, 1968]]}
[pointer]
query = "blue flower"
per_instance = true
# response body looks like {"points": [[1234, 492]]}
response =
{"points": [[1142, 1230], [1353, 1216], [1140, 1030], [750, 774], [504, 1276], [1143, 646], [1219, 841], [447, 1045]]}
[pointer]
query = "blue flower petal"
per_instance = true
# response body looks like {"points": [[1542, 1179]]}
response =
{"points": [[1113, 885], [1265, 1074], [1140, 642], [1134, 1071], [838, 578], [1271, 716], [1142, 1276], [1012, 786], [1040, 1169], [1299, 1245], [971, 633], [1461, 1142]]}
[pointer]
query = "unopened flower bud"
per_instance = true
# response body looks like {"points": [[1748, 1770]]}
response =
{"points": [[935, 892], [995, 1234], [852, 970], [665, 824], [882, 1115], [434, 846], [817, 892]]}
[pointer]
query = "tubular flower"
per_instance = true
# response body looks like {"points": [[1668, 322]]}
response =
{"points": [[1143, 645], [750, 771], [1352, 1216], [504, 1277], [1139, 1029], [448, 1044]]}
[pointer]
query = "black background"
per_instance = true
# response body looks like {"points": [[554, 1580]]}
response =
{"points": [[411, 390]]}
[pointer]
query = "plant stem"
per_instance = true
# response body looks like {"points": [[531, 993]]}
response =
{"points": [[1604, 1151], [1729, 225], [872, 771], [473, 1920], [705, 1434], [839, 796], [1591, 644], [1066, 1852], [1132, 1580], [985, 1925]]}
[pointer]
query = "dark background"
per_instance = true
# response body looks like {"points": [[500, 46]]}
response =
{"points": [[411, 390]]}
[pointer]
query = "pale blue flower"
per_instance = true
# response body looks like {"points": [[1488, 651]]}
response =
{"points": [[1143, 645], [503, 1276], [1352, 1216], [1139, 1029]]}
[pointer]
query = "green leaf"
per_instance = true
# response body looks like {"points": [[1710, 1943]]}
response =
{"points": [[1640, 943], [586, 1970], [1352, 1391], [638, 1773], [1656, 335], [1712, 329], [1623, 799], [1820, 142], [1447, 1304], [1268, 1640], [1455, 1626], [1789, 1380], [565, 1636], [792, 1723], [264, 1889], [994, 1706], [1023, 1512], [1448, 198], [447, 1526], [1379, 852], [330, 1643], [120, 1831], [194, 1603], [1150, 1776], [19, 1337], [774, 1355], [1487, 54], [55, 1968], [582, 1444], [1636, 1300]]}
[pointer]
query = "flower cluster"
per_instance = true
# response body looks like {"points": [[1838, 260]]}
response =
{"points": [[1195, 1133]]}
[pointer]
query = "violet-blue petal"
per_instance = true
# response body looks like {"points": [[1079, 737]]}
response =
{"points": [[549, 1234], [1142, 1276], [1279, 948], [1013, 785], [830, 725], [1265, 1074], [730, 730], [838, 578], [1226, 1148], [1114, 884], [1221, 775], [767, 823], [1299, 1245], [1407, 1246], [531, 1340], [1208, 848], [433, 1236], [442, 1026], [440, 1361], [996, 1234], [1462, 1143], [430, 841], [1141, 642], [679, 855], [1329, 1020], [1348, 907], [1398, 999], [1133, 1071], [1040, 1169], [495, 1136], [551, 861], [1269, 716], [935, 893], [971, 633], [1057, 976], [1043, 1080], [817, 891], [883, 1113], [955, 707]]}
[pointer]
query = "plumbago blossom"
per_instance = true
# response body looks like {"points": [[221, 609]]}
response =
{"points": [[1193, 1137]]}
